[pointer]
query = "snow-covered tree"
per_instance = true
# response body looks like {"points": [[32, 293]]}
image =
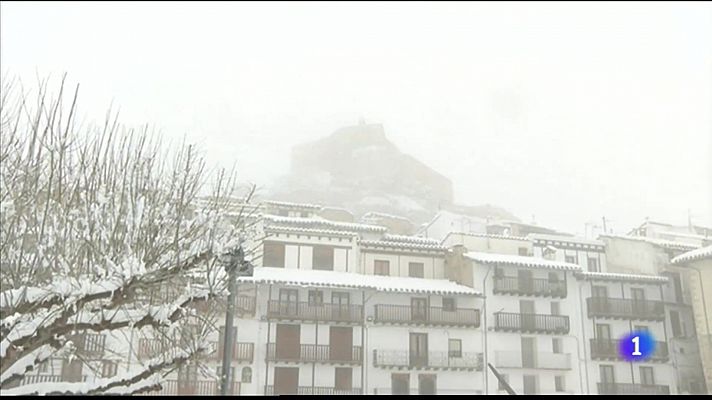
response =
{"points": [[105, 231]]}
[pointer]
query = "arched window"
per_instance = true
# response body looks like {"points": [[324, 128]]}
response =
{"points": [[246, 375]]}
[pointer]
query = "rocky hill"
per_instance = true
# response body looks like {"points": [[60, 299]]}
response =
{"points": [[359, 169]]}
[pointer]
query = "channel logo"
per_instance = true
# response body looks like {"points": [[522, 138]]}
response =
{"points": [[637, 346]]}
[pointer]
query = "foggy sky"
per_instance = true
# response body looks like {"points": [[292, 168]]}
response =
{"points": [[559, 112]]}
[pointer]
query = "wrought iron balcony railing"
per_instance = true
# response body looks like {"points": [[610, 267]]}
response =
{"points": [[397, 314], [631, 388], [607, 349], [534, 323], [437, 360], [603, 307], [532, 287], [317, 353], [311, 312], [539, 360]]}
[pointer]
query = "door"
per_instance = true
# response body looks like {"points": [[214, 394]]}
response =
{"points": [[638, 301], [419, 309], [528, 352], [221, 343], [526, 313], [340, 343], [426, 384], [400, 384], [288, 302], [72, 371], [600, 298], [340, 306], [343, 379], [288, 342], [604, 344], [647, 377], [608, 379], [286, 380], [187, 380], [419, 349], [525, 281], [529, 384]]}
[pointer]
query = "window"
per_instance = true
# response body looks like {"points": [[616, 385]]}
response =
{"points": [[677, 284], [304, 214], [415, 270], [273, 255], [571, 259], [108, 369], [523, 251], [555, 308], [455, 348], [323, 258], [449, 304], [593, 265], [646, 376], [641, 328], [316, 297], [381, 267], [559, 383], [500, 384], [246, 375], [556, 345], [675, 322]]}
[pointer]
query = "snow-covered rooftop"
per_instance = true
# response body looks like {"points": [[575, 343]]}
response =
{"points": [[403, 245], [694, 255], [567, 239], [320, 223], [668, 244], [524, 261], [374, 214], [489, 235], [312, 278], [292, 205], [316, 232], [608, 276]]}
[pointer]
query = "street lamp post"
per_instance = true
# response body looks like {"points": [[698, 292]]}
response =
{"points": [[236, 266]]}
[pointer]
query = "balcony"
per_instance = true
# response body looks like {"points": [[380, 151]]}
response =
{"points": [[631, 388], [193, 388], [32, 379], [315, 353], [532, 287], [242, 351], [644, 310], [531, 323], [607, 349], [89, 345], [541, 360], [396, 314], [303, 311], [317, 391], [433, 360], [149, 348]]}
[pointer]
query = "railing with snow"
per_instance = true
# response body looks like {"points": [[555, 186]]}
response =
{"points": [[312, 390], [193, 387]]}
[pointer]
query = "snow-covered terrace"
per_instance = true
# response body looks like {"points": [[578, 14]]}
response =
{"points": [[608, 276], [521, 261], [312, 278], [694, 255]]}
